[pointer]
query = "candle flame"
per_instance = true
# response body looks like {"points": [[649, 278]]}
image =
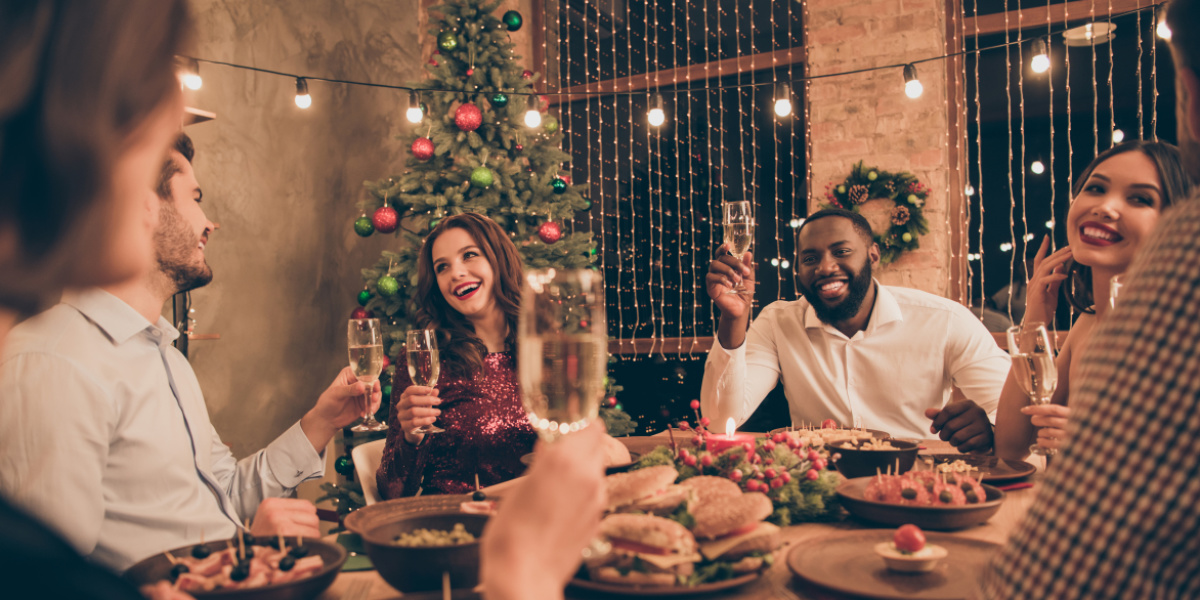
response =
{"points": [[729, 427]]}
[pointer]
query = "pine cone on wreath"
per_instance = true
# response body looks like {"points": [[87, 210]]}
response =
{"points": [[858, 194], [900, 215]]}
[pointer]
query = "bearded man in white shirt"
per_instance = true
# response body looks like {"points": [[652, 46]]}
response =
{"points": [[104, 433], [853, 350]]}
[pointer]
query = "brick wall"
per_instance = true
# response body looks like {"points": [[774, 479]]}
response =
{"points": [[868, 117]]}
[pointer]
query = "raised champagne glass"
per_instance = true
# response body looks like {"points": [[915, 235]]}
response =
{"points": [[1033, 367], [366, 360], [739, 233], [563, 345], [423, 366]]}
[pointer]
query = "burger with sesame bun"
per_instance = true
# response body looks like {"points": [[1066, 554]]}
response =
{"points": [[646, 550], [730, 528], [650, 490]]}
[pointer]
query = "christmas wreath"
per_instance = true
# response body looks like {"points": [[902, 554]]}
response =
{"points": [[907, 219]]}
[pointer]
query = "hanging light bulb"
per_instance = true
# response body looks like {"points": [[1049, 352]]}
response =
{"points": [[656, 116], [533, 116], [303, 100], [191, 74], [1163, 30], [970, 190], [1037, 167], [783, 100], [414, 114], [912, 85], [1118, 136], [1041, 56]]}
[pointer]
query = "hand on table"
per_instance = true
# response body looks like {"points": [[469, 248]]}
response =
{"points": [[964, 424], [534, 544], [1051, 421], [724, 273], [417, 408], [341, 404], [1041, 297], [288, 517]]}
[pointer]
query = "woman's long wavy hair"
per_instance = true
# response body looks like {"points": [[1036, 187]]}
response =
{"points": [[461, 351], [1176, 186]]}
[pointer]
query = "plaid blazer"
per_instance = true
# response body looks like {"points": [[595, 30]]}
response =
{"points": [[1118, 516]]}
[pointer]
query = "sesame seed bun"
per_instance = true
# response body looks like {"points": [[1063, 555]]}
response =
{"points": [[627, 488], [721, 515]]}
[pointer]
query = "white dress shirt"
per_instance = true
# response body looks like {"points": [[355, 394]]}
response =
{"points": [[914, 346], [104, 434]]}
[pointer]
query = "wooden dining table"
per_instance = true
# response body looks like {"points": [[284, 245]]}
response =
{"points": [[778, 582]]}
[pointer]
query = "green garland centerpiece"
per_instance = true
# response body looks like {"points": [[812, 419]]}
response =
{"points": [[907, 218]]}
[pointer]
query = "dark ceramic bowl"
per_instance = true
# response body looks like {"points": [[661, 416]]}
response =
{"points": [[417, 569], [862, 463], [926, 517], [157, 568]]}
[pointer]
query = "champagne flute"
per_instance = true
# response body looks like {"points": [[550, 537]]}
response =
{"points": [[739, 233], [1114, 289], [563, 349], [1033, 367], [423, 366], [366, 359]]}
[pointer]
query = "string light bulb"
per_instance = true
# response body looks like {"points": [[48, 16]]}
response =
{"points": [[1037, 167], [191, 74], [533, 116], [1040, 63], [656, 116], [414, 114], [1118, 136], [783, 100], [303, 100], [1163, 30], [912, 85]]}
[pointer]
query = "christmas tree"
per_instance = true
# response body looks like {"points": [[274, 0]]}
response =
{"points": [[474, 150]]}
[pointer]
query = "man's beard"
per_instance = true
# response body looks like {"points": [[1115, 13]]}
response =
{"points": [[858, 286], [174, 244]]}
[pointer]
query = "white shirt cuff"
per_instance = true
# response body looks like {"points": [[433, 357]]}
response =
{"points": [[293, 460]]}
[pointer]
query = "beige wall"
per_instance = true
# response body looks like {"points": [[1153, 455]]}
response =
{"points": [[868, 117]]}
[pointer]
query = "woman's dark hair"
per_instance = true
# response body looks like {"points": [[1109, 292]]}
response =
{"points": [[77, 78], [462, 352], [1176, 185]]}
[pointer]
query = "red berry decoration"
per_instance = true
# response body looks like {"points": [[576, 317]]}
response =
{"points": [[695, 404], [776, 484], [748, 447], [786, 477], [385, 219], [527, 74], [909, 538], [770, 473], [812, 475], [704, 421], [829, 424], [689, 460], [683, 426], [768, 445], [706, 460], [468, 117], [818, 464], [549, 232], [360, 313], [735, 475], [813, 455], [422, 148]]}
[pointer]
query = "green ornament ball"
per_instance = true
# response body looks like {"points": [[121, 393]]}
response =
{"points": [[499, 100], [364, 297], [344, 466], [482, 177], [872, 176], [363, 226], [387, 285], [551, 125], [587, 205], [512, 20], [907, 237], [841, 189], [447, 41], [605, 382], [559, 186], [913, 199], [592, 251], [387, 392], [619, 407]]}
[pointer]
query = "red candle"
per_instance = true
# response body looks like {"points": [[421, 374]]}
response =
{"points": [[718, 443]]}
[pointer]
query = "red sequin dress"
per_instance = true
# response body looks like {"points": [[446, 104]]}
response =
{"points": [[487, 432]]}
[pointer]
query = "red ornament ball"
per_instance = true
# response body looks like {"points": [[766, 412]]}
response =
{"points": [[422, 148], [386, 361], [612, 401], [543, 103], [385, 219], [527, 74], [470, 71], [360, 313], [468, 117], [433, 61], [519, 147], [549, 232], [565, 177]]}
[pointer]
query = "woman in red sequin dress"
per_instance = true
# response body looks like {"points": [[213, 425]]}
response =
{"points": [[468, 291]]}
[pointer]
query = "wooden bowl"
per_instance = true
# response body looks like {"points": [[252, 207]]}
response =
{"points": [[157, 568], [863, 463], [417, 569], [942, 518]]}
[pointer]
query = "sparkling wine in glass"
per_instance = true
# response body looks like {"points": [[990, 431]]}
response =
{"points": [[563, 349], [423, 366], [1114, 289], [1033, 367], [739, 233], [366, 360]]}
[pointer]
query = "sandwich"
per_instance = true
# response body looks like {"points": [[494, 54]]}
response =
{"points": [[646, 550], [649, 490], [730, 529]]}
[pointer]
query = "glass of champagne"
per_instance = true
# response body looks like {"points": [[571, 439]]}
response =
{"points": [[739, 233], [1114, 289], [563, 349], [1033, 367], [366, 359], [423, 366]]}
